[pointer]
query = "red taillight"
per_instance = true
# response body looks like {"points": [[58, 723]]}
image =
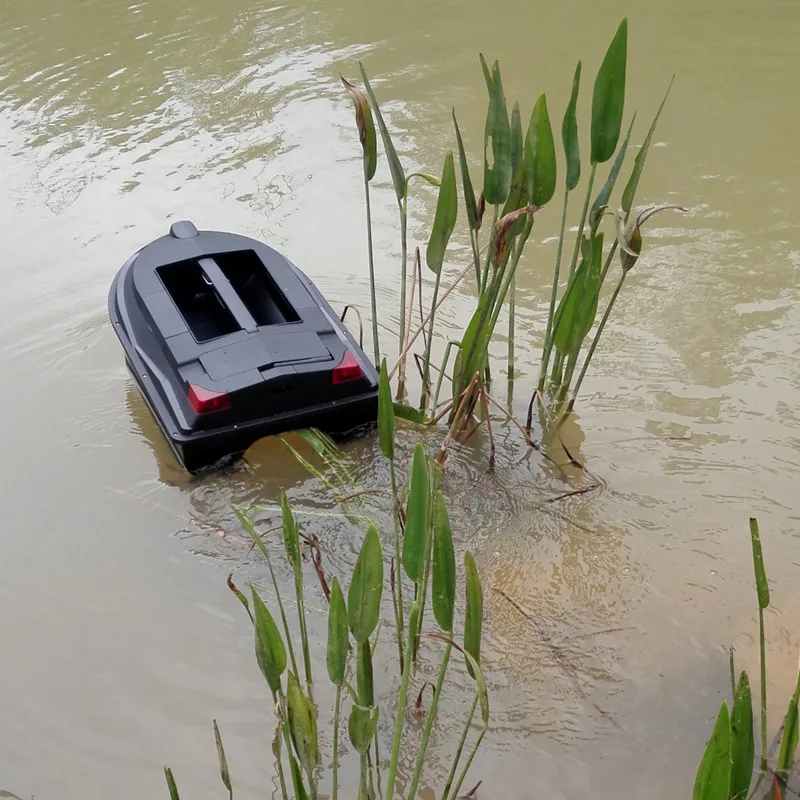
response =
{"points": [[348, 370], [204, 401]]}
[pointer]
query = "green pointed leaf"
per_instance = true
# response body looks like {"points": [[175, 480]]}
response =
{"points": [[608, 98], [337, 635], [604, 195], [366, 129], [395, 167], [497, 139], [364, 595], [291, 538], [416, 537], [762, 587], [223, 761], [297, 779], [638, 164], [362, 726], [578, 307], [173, 789], [466, 181], [385, 414], [444, 567], [473, 620], [517, 142], [302, 724], [270, 651], [445, 219], [409, 413], [742, 740], [517, 198], [713, 777], [540, 155], [569, 134], [788, 741]]}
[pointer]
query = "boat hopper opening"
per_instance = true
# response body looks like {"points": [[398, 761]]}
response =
{"points": [[199, 289]]}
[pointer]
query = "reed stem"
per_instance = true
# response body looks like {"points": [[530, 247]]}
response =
{"points": [[585, 211], [429, 722], [762, 647], [426, 369], [511, 320], [403, 267], [373, 300], [548, 337], [460, 748], [336, 711]]}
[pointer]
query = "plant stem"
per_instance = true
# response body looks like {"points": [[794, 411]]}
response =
{"points": [[579, 235], [733, 675], [403, 266], [594, 344], [373, 300], [511, 299], [440, 379], [510, 271], [429, 722], [336, 711], [378, 766], [362, 791], [548, 341], [473, 240], [401, 704], [397, 561], [491, 242], [427, 363], [469, 762], [763, 689], [301, 616], [460, 748]]}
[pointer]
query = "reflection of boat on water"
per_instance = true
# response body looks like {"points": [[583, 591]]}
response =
{"points": [[229, 342]]}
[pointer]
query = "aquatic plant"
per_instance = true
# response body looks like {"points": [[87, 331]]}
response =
{"points": [[422, 548], [728, 764], [520, 177]]}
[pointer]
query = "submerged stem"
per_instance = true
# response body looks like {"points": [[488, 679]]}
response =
{"points": [[375, 342], [548, 337]]}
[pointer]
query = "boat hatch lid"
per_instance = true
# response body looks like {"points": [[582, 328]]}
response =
{"points": [[264, 351]]}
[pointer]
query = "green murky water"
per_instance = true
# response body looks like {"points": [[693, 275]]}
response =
{"points": [[118, 639]]}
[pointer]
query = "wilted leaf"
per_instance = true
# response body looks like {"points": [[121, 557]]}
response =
{"points": [[337, 635], [395, 167], [270, 651], [638, 164], [466, 180], [632, 245], [302, 724], [366, 586], [242, 599], [445, 219], [366, 129], [608, 98], [713, 777], [497, 138], [742, 740], [473, 620], [385, 414], [223, 761], [540, 155], [444, 567], [569, 134], [416, 537]]}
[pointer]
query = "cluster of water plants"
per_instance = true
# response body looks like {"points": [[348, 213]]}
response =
{"points": [[727, 768], [419, 559], [520, 178]]}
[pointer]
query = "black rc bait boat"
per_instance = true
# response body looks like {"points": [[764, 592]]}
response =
{"points": [[229, 342]]}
